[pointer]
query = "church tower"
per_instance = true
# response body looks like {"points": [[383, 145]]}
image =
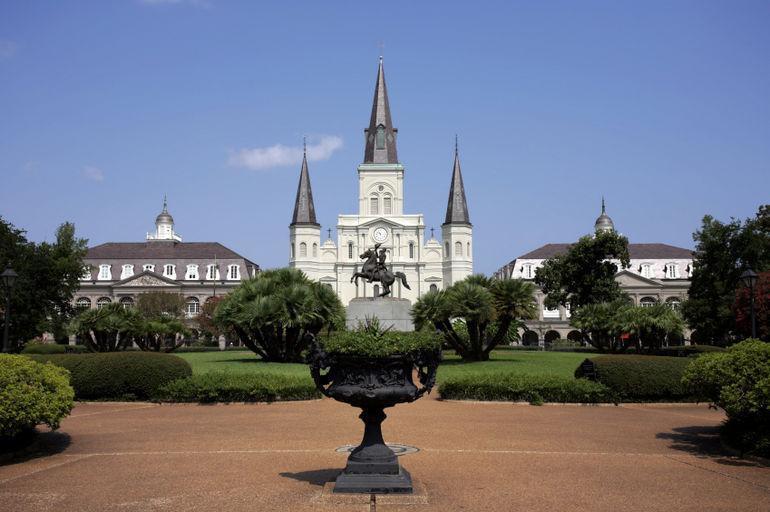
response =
{"points": [[457, 230], [304, 230], [380, 176]]}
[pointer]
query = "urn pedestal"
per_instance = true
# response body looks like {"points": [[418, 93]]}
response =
{"points": [[373, 384]]}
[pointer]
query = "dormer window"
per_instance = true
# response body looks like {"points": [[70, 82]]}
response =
{"points": [[379, 139], [672, 271], [128, 271], [86, 273], [169, 271], [233, 272], [645, 269], [192, 272], [148, 267], [212, 272], [105, 274], [527, 271]]}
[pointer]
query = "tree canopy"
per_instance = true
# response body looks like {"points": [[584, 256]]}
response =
{"points": [[585, 274], [49, 275]]}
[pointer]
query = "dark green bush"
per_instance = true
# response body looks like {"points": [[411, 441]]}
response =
{"points": [[119, 375], [738, 380], [511, 387], [31, 393], [688, 351], [380, 344], [234, 387], [52, 348], [637, 378]]}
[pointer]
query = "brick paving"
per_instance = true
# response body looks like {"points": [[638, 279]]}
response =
{"points": [[473, 456]]}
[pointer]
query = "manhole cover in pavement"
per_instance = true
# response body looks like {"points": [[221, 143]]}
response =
{"points": [[398, 449]]}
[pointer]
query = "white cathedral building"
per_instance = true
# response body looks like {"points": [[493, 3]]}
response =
{"points": [[429, 264]]}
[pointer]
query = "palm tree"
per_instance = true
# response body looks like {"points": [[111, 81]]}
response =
{"points": [[273, 312], [486, 308]]}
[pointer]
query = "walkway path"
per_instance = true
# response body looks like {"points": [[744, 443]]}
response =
{"points": [[473, 456]]}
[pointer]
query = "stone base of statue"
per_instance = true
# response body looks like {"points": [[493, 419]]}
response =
{"points": [[390, 311]]}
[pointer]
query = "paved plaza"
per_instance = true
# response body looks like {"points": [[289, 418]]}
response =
{"points": [[472, 456]]}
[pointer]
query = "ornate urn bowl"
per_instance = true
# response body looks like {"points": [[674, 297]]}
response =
{"points": [[373, 384]]}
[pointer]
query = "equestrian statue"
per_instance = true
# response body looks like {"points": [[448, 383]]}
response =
{"points": [[374, 269]]}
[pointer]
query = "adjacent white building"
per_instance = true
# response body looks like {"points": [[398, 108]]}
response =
{"points": [[428, 263]]}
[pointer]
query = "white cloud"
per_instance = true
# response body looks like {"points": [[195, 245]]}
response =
{"points": [[93, 174], [278, 155], [7, 49]]}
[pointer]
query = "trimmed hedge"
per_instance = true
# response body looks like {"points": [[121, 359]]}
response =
{"points": [[688, 351], [52, 348], [32, 393], [637, 378], [235, 387], [119, 375], [512, 387]]}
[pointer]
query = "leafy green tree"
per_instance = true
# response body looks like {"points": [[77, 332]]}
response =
{"points": [[106, 329], [585, 274], [49, 275], [649, 327], [722, 252], [487, 308], [599, 325], [159, 333], [273, 312], [158, 304]]}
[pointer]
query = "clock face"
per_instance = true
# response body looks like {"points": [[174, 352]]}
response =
{"points": [[380, 235]]}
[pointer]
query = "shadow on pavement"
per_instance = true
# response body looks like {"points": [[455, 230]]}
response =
{"points": [[316, 477], [704, 442], [33, 445]]}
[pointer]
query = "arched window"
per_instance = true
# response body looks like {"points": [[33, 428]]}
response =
{"points": [[380, 138], [291, 249], [468, 250], [127, 271], [458, 249], [127, 302], [647, 302], [350, 250], [303, 250], [315, 250], [192, 272], [387, 207], [374, 206], [192, 306], [433, 288], [674, 303], [83, 303], [411, 250], [446, 249], [102, 301], [169, 271], [233, 272]]}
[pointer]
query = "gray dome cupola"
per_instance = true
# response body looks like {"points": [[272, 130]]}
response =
{"points": [[603, 221], [164, 226]]}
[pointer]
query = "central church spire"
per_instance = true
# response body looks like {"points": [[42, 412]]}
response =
{"points": [[380, 136]]}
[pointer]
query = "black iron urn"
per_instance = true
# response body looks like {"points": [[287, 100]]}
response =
{"points": [[373, 383]]}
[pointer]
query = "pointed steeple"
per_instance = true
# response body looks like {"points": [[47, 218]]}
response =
{"points": [[604, 222], [304, 209], [380, 136], [457, 206]]}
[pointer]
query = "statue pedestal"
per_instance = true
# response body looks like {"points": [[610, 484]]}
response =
{"points": [[389, 310]]}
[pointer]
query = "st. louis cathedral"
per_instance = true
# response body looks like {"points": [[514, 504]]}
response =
{"points": [[428, 264]]}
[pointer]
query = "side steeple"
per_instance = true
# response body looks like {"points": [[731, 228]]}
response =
{"points": [[457, 206], [380, 135], [304, 209]]}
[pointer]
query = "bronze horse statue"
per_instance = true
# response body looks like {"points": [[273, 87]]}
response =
{"points": [[374, 269]]}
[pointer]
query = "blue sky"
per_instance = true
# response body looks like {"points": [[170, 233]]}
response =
{"points": [[662, 107]]}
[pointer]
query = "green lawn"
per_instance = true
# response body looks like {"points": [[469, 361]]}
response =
{"points": [[521, 362]]}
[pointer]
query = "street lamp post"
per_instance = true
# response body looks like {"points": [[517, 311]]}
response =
{"points": [[749, 278], [8, 278]]}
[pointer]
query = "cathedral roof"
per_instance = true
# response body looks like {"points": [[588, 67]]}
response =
{"points": [[380, 135], [457, 206], [304, 209]]}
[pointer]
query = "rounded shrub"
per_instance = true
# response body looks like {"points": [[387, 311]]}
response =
{"points": [[636, 378], [120, 375], [52, 348], [513, 387], [32, 393]]}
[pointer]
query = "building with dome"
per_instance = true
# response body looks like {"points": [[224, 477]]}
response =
{"points": [[428, 263], [659, 273], [120, 271]]}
